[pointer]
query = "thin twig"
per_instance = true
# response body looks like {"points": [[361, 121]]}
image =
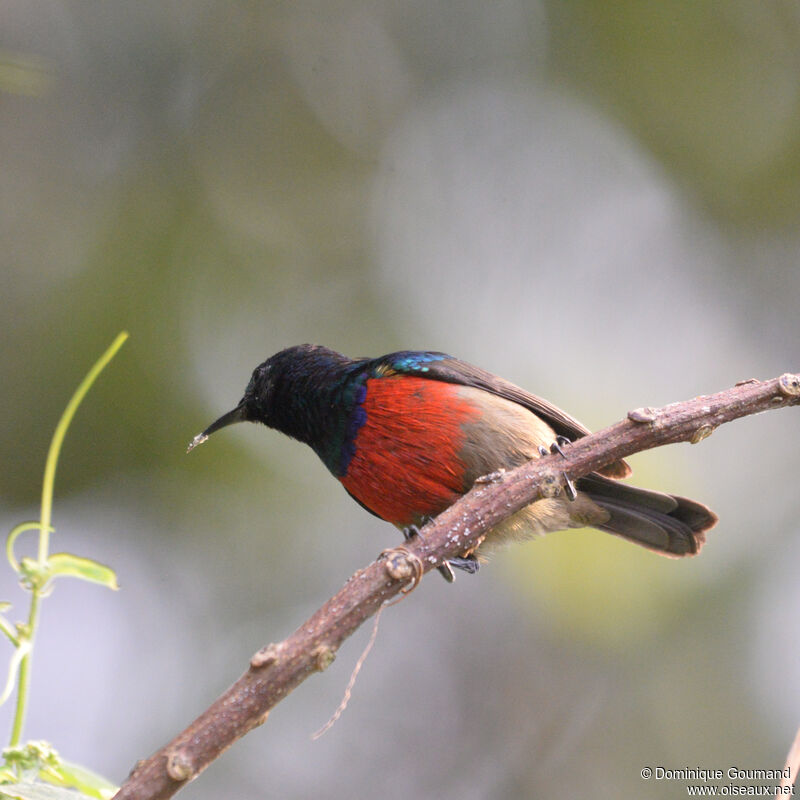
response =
{"points": [[352, 682], [278, 668], [418, 571], [792, 767]]}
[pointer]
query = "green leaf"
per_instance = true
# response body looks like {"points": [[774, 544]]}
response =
{"points": [[67, 564], [29, 790], [75, 776]]}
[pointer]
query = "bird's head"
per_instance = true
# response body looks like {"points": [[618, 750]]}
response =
{"points": [[275, 389]]}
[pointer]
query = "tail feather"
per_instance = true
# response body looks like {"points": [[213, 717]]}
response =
{"points": [[668, 524]]}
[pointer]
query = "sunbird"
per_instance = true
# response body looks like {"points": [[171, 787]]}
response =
{"points": [[408, 433]]}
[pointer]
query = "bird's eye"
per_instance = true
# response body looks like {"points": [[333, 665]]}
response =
{"points": [[258, 382]]}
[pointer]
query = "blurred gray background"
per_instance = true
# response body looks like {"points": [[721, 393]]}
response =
{"points": [[598, 201]]}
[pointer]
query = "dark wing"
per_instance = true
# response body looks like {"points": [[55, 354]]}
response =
{"points": [[442, 367]]}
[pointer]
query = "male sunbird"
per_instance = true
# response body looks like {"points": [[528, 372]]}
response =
{"points": [[408, 433]]}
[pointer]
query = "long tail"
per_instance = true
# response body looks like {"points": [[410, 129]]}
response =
{"points": [[670, 525]]}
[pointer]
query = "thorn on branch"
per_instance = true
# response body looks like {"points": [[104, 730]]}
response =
{"points": [[262, 719], [324, 655], [789, 384], [265, 656], [643, 415], [179, 765], [403, 565], [136, 766], [703, 432]]}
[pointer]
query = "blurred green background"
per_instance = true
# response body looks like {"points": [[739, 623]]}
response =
{"points": [[598, 201]]}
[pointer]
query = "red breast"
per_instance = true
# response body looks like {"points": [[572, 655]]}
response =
{"points": [[407, 462]]}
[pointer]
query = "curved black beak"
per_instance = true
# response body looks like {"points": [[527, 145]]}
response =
{"points": [[237, 415]]}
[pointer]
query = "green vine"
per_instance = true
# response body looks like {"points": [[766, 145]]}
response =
{"points": [[23, 763]]}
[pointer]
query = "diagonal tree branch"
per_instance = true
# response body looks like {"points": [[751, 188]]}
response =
{"points": [[278, 668]]}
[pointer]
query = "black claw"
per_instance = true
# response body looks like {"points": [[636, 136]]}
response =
{"points": [[556, 446], [569, 487], [543, 451], [410, 531], [468, 564]]}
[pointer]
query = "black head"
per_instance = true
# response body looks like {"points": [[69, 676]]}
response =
{"points": [[281, 389]]}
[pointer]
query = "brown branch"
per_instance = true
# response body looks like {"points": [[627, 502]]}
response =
{"points": [[278, 668]]}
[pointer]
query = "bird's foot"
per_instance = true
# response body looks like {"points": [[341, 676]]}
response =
{"points": [[445, 570], [410, 531], [468, 564], [569, 486]]}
